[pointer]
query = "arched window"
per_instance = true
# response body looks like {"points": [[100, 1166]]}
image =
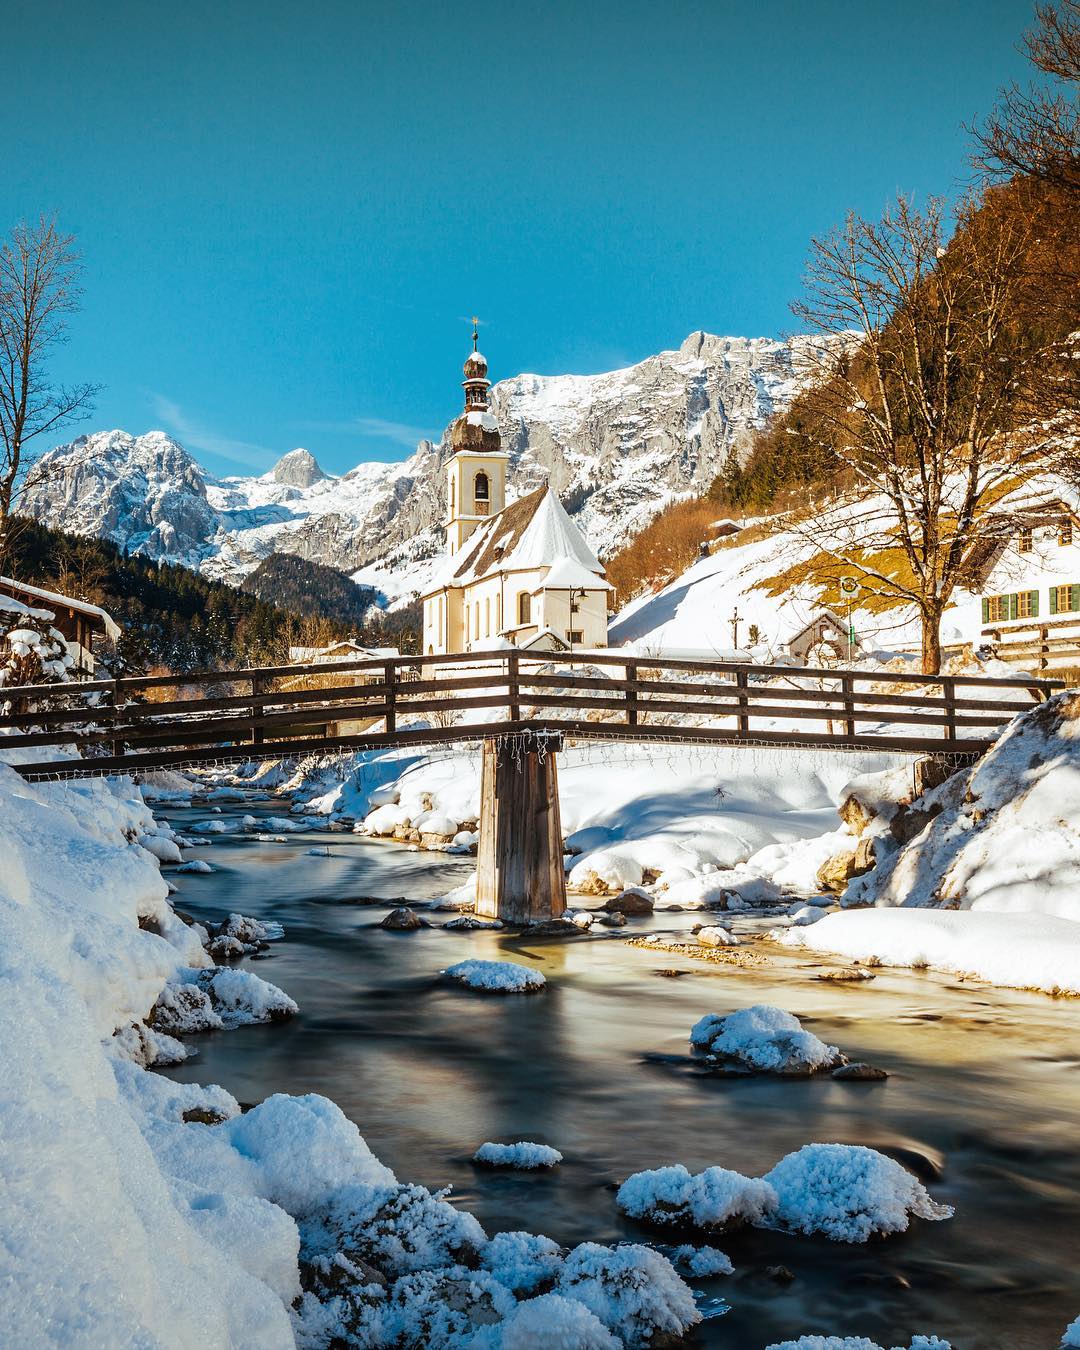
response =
{"points": [[476, 630], [487, 616], [453, 496], [524, 607], [441, 634], [498, 614], [481, 494]]}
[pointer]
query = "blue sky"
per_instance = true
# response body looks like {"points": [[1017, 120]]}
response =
{"points": [[287, 212]]}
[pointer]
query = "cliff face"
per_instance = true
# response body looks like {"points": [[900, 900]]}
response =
{"points": [[616, 447]]}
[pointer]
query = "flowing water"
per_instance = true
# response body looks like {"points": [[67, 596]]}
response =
{"points": [[983, 1101]]}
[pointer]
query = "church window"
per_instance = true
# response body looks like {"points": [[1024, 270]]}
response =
{"points": [[524, 607], [487, 616], [481, 494], [453, 496], [476, 631], [498, 614]]}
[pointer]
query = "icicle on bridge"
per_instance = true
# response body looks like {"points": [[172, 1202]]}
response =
{"points": [[521, 706]]}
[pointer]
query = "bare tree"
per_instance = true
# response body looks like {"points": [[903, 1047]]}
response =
{"points": [[1035, 130], [39, 290], [926, 405]]}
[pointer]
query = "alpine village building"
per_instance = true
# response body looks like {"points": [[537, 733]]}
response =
{"points": [[517, 574]]}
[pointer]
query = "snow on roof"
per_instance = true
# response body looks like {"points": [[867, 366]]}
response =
{"points": [[568, 574], [110, 625], [551, 535], [12, 606]]}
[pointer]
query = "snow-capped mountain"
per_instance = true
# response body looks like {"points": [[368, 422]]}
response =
{"points": [[616, 447]]}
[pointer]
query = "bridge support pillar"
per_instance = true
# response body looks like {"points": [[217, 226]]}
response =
{"points": [[519, 874]]}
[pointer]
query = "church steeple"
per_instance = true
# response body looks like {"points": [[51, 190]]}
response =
{"points": [[476, 471], [476, 382]]}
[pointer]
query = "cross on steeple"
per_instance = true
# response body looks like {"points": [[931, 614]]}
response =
{"points": [[475, 332]]}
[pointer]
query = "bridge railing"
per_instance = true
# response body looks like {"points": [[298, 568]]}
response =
{"points": [[161, 720]]}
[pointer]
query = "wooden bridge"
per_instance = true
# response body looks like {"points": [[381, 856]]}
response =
{"points": [[521, 705]]}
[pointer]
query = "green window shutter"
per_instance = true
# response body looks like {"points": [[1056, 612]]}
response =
{"points": [[1034, 604], [1012, 605], [986, 611], [1074, 596], [1053, 599]]}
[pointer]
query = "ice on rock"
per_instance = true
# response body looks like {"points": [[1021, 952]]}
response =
{"points": [[702, 1261], [848, 1193], [802, 915], [395, 1228], [148, 1047], [162, 847], [715, 1199], [713, 935], [209, 827], [524, 1156], [522, 1261], [207, 1000], [632, 1290], [856, 1343], [763, 1039], [556, 1323], [196, 865], [497, 977], [1071, 1338]]}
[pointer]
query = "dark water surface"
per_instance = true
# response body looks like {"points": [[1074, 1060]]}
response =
{"points": [[984, 1097]]}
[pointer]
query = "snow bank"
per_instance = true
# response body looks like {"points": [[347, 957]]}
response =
{"points": [[763, 1039], [1032, 951], [1072, 1335], [497, 977], [1003, 837], [843, 1191], [523, 1155]]}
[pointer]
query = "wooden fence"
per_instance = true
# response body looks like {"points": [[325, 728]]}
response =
{"points": [[215, 716]]}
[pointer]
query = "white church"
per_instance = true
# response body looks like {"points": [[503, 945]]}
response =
{"points": [[518, 574]]}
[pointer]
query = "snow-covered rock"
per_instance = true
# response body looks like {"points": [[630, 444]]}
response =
{"points": [[714, 1199], [702, 1262], [522, 1155], [497, 977], [848, 1193], [763, 1039], [856, 1343], [843, 1191]]}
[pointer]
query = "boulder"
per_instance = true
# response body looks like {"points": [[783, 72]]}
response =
{"points": [[860, 1073], [616, 919], [835, 872], [631, 901], [403, 920]]}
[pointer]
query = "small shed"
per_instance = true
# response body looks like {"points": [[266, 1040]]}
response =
{"points": [[825, 632], [79, 621]]}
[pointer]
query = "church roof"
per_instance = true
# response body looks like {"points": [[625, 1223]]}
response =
{"points": [[533, 532]]}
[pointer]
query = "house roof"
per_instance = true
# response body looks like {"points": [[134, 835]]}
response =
{"points": [[98, 616]]}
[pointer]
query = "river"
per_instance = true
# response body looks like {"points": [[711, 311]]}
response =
{"points": [[983, 1098]]}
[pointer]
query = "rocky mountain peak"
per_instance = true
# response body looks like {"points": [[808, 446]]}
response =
{"points": [[299, 468]]}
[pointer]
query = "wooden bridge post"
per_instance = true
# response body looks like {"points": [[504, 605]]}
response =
{"points": [[258, 686], [631, 670], [519, 874], [513, 687], [389, 674]]}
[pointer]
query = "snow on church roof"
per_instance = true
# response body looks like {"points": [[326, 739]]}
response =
{"points": [[568, 574], [533, 532]]}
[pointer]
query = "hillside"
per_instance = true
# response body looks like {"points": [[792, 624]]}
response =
{"points": [[309, 589], [170, 615], [616, 447]]}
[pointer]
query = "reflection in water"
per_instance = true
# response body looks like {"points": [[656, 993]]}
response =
{"points": [[983, 1102]]}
